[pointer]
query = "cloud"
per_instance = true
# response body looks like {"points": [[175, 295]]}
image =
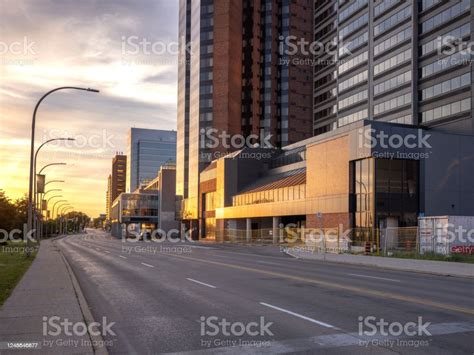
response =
{"points": [[81, 43]]}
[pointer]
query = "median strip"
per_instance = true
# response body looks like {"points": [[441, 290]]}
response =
{"points": [[201, 283], [299, 316]]}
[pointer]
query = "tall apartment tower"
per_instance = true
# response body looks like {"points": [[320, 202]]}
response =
{"points": [[148, 150], [394, 62], [233, 79], [119, 176], [117, 180], [108, 197]]}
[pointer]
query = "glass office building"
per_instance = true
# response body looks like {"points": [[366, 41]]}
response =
{"points": [[394, 62], [148, 150]]}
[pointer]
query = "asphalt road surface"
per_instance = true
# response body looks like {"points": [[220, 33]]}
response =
{"points": [[213, 298]]}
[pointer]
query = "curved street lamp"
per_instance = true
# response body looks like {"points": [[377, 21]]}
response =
{"points": [[36, 157], [62, 228], [50, 181], [44, 167], [55, 196], [32, 148], [38, 203], [51, 190], [55, 204], [64, 208]]}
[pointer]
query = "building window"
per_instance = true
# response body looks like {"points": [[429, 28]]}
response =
{"points": [[352, 81], [353, 117], [393, 62], [446, 15], [392, 21], [449, 37], [392, 83], [459, 58], [453, 108], [446, 86], [392, 104], [392, 41]]}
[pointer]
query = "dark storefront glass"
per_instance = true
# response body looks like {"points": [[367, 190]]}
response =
{"points": [[384, 192]]}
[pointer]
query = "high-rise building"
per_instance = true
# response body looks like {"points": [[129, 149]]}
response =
{"points": [[119, 175], [108, 197], [116, 182], [234, 79], [148, 150], [397, 61]]}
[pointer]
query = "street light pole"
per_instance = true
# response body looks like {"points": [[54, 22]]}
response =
{"points": [[32, 149], [60, 201], [36, 158], [46, 166], [48, 230], [65, 218], [58, 217], [51, 181]]}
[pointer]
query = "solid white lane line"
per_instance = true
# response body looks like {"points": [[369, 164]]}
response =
{"points": [[299, 315], [375, 277], [201, 283], [123, 257], [108, 252], [148, 265]]}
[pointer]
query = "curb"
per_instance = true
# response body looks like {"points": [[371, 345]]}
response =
{"points": [[98, 343], [368, 264]]}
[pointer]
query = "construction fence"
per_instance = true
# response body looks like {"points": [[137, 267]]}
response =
{"points": [[331, 240]]}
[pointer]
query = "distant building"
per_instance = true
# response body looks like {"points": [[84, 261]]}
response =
{"points": [[116, 182], [108, 197], [149, 208], [119, 175], [148, 150]]}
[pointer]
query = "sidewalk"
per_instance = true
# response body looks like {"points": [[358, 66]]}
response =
{"points": [[46, 290], [445, 268]]}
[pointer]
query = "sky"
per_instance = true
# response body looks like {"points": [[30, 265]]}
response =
{"points": [[46, 44]]}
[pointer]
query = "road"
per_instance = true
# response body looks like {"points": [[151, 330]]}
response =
{"points": [[169, 297]]}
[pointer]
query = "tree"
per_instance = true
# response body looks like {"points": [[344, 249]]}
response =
{"points": [[7, 213], [21, 211]]}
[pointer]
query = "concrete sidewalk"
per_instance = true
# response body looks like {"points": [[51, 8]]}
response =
{"points": [[426, 266], [47, 289]]}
